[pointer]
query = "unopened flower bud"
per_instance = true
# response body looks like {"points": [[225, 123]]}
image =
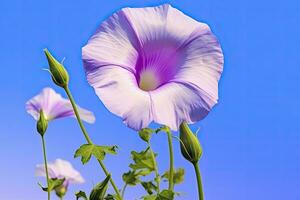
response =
{"points": [[61, 191], [189, 145], [42, 124], [59, 74]]}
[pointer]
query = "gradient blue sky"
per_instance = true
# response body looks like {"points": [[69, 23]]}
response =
{"points": [[251, 138]]}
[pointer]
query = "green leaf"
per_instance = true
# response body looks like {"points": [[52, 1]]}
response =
{"points": [[99, 190], [53, 184], [149, 197], [144, 172], [165, 195], [178, 176], [109, 149], [142, 160], [81, 194], [145, 134], [111, 197], [131, 177], [87, 150], [149, 187]]}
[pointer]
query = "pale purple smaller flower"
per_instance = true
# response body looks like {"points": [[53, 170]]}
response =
{"points": [[60, 169], [55, 106]]}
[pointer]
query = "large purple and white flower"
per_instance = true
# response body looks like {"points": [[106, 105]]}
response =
{"points": [[154, 64], [60, 169], [54, 106]]}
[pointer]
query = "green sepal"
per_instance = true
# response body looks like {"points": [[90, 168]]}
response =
{"points": [[99, 191], [142, 160], [145, 134], [87, 150], [53, 184], [81, 194], [149, 187], [178, 176]]}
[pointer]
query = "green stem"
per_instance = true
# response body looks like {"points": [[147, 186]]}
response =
{"points": [[157, 177], [61, 198], [171, 171], [198, 175], [46, 166], [123, 190], [86, 135], [88, 139]]}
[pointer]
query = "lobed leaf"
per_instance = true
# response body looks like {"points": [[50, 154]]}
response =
{"points": [[178, 176], [131, 177], [87, 150], [142, 160], [149, 187]]}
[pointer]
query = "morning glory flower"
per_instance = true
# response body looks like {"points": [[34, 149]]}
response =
{"points": [[154, 64], [60, 169], [54, 106]]}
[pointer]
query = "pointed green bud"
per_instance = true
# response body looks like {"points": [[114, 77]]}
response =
{"points": [[61, 191], [59, 74], [190, 146], [42, 124]]}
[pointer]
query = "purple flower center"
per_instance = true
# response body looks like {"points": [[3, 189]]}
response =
{"points": [[157, 63]]}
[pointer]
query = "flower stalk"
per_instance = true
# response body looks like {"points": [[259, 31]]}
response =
{"points": [[88, 139], [199, 181], [171, 170], [46, 166]]}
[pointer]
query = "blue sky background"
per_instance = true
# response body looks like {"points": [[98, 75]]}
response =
{"points": [[251, 138]]}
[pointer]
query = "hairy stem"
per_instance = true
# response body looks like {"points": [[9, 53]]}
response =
{"points": [[46, 166], [88, 139], [171, 171], [199, 182], [157, 177]]}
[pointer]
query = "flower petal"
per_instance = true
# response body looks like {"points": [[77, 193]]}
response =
{"points": [[203, 65], [114, 43], [174, 103], [118, 90], [161, 22], [40, 170], [54, 106], [66, 170]]}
